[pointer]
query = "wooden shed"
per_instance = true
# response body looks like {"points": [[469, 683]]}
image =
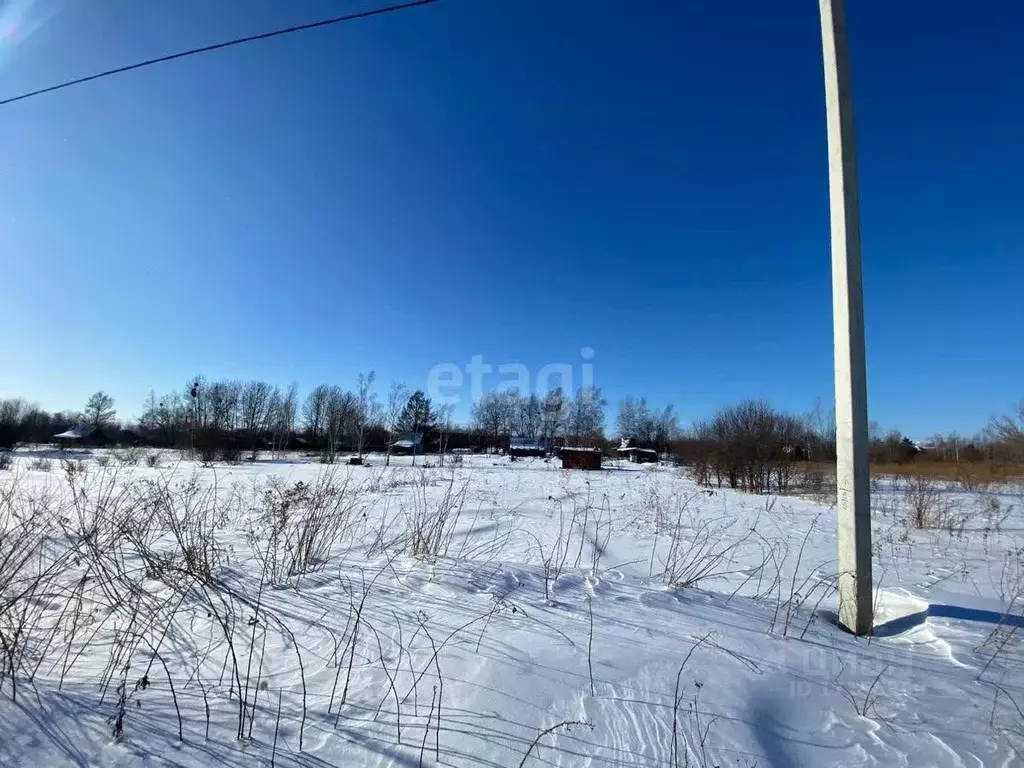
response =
{"points": [[581, 458]]}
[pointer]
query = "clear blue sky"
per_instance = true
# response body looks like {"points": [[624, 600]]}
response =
{"points": [[517, 179]]}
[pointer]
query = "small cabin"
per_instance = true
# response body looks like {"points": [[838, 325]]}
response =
{"points": [[581, 458], [409, 445], [628, 450]]}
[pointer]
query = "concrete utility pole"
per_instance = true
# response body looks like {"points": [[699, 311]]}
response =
{"points": [[852, 471]]}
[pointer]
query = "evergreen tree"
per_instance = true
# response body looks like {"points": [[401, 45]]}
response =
{"points": [[417, 415], [99, 410]]}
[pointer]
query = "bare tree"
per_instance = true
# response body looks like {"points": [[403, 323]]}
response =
{"points": [[215, 417], [664, 428], [13, 413], [444, 426], [366, 408], [552, 414], [527, 416], [254, 402], [340, 417], [1010, 431], [820, 430], [314, 413], [222, 398], [283, 410], [194, 393], [398, 396], [650, 428], [508, 407], [165, 419], [633, 417], [585, 422], [491, 416]]}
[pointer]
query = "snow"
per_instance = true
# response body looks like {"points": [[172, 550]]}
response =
{"points": [[75, 433], [525, 442], [535, 557]]}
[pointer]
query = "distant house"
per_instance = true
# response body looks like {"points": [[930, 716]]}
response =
{"points": [[526, 446], [628, 450], [82, 436], [409, 445], [580, 458]]}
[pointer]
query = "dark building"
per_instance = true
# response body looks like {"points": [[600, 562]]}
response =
{"points": [[581, 458]]}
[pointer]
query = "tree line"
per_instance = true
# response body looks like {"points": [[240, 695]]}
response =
{"points": [[578, 420], [750, 445], [225, 419]]}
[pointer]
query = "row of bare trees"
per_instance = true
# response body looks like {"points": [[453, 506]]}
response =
{"points": [[498, 416], [222, 418], [1002, 441], [748, 445], [334, 418]]}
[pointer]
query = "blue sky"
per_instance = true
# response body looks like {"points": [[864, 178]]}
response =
{"points": [[512, 179]]}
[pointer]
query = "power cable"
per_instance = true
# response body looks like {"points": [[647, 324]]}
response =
{"points": [[218, 46]]}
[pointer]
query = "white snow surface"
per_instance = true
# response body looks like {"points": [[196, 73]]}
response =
{"points": [[548, 602]]}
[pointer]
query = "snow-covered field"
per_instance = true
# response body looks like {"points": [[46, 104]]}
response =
{"points": [[491, 614]]}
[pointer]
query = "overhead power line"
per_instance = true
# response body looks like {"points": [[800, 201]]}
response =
{"points": [[218, 46]]}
